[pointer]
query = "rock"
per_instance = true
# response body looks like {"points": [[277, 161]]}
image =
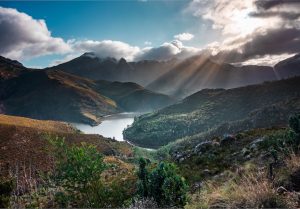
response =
{"points": [[204, 146], [227, 140], [206, 172], [245, 151], [248, 157], [281, 190], [196, 186], [181, 160], [255, 144]]}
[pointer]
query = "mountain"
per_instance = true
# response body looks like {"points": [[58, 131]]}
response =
{"points": [[133, 97], [196, 73], [178, 78], [10, 68], [57, 95], [288, 67], [209, 108], [91, 66]]}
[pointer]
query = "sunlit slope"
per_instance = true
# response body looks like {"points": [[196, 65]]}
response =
{"points": [[24, 143], [43, 125], [56, 96], [207, 109]]}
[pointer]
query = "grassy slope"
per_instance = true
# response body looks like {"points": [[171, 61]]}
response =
{"points": [[55, 95], [23, 142], [207, 109]]}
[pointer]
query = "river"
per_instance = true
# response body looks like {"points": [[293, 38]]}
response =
{"points": [[111, 126]]}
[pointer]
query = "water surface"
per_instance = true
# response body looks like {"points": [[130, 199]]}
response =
{"points": [[111, 126]]}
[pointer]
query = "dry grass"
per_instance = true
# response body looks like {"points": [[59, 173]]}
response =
{"points": [[23, 140], [44, 125], [252, 189]]}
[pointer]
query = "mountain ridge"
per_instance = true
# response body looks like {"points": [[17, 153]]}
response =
{"points": [[57, 95], [206, 109]]}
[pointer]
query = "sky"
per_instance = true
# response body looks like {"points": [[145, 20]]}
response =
{"points": [[45, 33]]}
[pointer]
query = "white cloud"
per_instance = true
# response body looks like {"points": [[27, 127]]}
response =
{"points": [[184, 36], [23, 37], [167, 51], [107, 48]]}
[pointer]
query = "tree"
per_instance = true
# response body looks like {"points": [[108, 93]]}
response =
{"points": [[143, 178], [294, 123], [163, 184]]}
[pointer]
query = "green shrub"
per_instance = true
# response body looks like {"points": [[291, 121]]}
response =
{"points": [[77, 168], [162, 184], [6, 188], [111, 195], [294, 123]]}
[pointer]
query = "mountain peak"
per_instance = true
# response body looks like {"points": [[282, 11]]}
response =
{"points": [[10, 62], [122, 60], [89, 54]]}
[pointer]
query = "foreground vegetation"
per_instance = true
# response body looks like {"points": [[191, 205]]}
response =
{"points": [[258, 168]]}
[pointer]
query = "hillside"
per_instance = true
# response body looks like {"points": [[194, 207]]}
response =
{"points": [[23, 142], [10, 68], [133, 97], [207, 109], [56, 95], [196, 73], [90, 66], [288, 67]]}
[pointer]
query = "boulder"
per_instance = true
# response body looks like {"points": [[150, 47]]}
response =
{"points": [[203, 147], [227, 140]]}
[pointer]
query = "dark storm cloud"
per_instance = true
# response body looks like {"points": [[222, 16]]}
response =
{"points": [[268, 4], [286, 9], [273, 42]]}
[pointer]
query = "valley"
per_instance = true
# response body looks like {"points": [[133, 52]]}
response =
{"points": [[142, 104], [57, 123]]}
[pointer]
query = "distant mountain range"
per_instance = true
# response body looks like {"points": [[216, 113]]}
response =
{"points": [[57, 95], [90, 66], [253, 106], [178, 78], [196, 73], [88, 87]]}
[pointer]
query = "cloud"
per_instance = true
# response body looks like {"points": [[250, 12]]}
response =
{"points": [[23, 37], [107, 48], [285, 9], [167, 51], [252, 29], [184, 36]]}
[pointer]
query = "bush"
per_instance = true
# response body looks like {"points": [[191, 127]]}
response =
{"points": [[6, 188], [162, 184], [77, 168], [294, 123]]}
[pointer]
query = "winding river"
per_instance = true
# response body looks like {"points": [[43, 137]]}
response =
{"points": [[111, 126]]}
